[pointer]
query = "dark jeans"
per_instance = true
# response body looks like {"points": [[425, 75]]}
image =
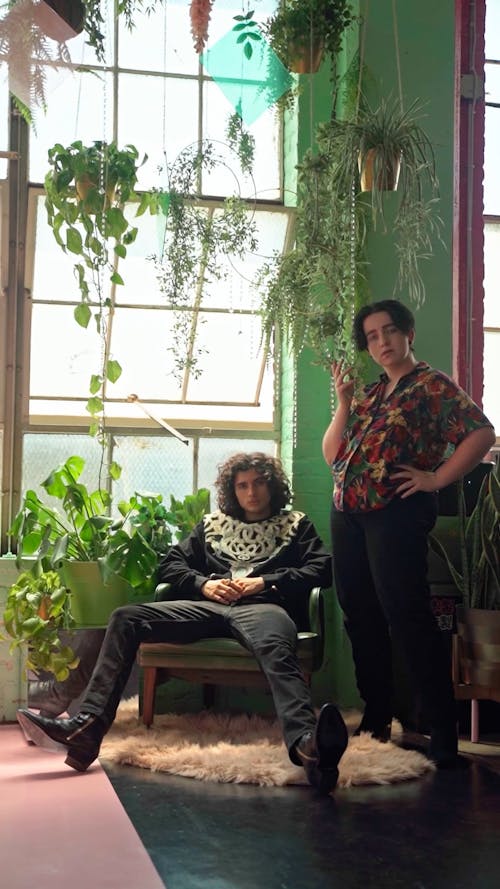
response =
{"points": [[380, 568], [265, 630]]}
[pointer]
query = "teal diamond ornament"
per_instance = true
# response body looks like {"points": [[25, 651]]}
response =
{"points": [[247, 70]]}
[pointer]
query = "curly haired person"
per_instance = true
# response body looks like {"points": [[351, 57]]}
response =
{"points": [[245, 571]]}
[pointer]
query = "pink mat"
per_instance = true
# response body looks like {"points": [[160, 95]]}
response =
{"points": [[60, 829]]}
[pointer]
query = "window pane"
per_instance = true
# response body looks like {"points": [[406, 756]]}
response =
{"points": [[491, 401], [492, 83], [80, 109], [492, 48], [44, 452], [492, 275], [63, 354], [230, 346], [53, 274], [264, 183], [491, 165], [146, 108], [165, 42], [158, 464]]}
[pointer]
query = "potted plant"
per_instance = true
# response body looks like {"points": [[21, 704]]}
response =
{"points": [[38, 607], [87, 189], [301, 31], [85, 563], [476, 573]]}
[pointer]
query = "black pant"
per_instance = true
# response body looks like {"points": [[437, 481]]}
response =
{"points": [[380, 568], [265, 630]]}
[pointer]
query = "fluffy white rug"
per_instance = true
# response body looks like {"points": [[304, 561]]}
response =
{"points": [[245, 750]]}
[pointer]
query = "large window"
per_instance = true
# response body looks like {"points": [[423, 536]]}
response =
{"points": [[492, 215], [151, 90]]}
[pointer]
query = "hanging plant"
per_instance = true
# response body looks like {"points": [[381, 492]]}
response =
{"points": [[302, 30], [196, 239], [241, 142], [86, 193], [199, 13]]}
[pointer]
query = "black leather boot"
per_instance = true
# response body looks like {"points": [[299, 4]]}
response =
{"points": [[80, 736], [379, 729], [42, 696], [321, 752]]}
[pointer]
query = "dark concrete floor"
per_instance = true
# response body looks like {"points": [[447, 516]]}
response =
{"points": [[439, 832]]}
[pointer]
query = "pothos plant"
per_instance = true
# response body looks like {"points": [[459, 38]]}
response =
{"points": [[198, 235], [74, 523], [87, 190], [38, 607]]}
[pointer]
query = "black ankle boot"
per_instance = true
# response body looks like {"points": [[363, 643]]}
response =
{"points": [[380, 729], [321, 752], [81, 736]]}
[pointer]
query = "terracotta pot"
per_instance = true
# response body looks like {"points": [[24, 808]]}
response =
{"points": [[306, 57], [387, 178], [85, 184]]}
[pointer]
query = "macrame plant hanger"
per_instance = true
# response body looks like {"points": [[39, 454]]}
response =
{"points": [[362, 49]]}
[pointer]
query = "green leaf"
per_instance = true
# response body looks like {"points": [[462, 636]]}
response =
{"points": [[116, 278], [121, 250], [95, 383], [74, 241], [115, 471], [113, 370], [248, 51], [94, 406], [82, 314]]}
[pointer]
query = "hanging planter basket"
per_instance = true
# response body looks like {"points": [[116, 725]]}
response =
{"points": [[376, 173], [306, 57], [60, 19]]}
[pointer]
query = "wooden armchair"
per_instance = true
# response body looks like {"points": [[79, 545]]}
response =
{"points": [[214, 662]]}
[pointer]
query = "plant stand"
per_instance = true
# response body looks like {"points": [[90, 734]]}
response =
{"points": [[476, 659]]}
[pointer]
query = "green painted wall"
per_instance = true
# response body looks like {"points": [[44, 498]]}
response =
{"points": [[426, 47]]}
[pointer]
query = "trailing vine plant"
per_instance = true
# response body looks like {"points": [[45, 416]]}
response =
{"points": [[87, 189], [197, 236]]}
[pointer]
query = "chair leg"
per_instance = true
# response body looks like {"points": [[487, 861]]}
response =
{"points": [[474, 721], [208, 691], [148, 695]]}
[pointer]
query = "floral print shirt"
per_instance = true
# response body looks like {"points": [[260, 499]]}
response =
{"points": [[415, 424]]}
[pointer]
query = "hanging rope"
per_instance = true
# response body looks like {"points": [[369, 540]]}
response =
{"points": [[362, 45], [396, 48]]}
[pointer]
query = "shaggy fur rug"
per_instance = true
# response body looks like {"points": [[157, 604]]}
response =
{"points": [[246, 750]]}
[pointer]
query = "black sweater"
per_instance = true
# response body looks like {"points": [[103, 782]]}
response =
{"points": [[284, 550]]}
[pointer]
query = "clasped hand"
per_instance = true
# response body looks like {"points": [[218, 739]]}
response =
{"points": [[414, 480], [226, 590]]}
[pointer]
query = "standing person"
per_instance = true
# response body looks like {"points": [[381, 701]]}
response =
{"points": [[388, 449], [246, 572]]}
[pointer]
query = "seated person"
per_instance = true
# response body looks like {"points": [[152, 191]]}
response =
{"points": [[245, 571]]}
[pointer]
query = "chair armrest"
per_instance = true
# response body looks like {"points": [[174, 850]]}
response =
{"points": [[317, 621], [317, 611], [163, 592]]}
